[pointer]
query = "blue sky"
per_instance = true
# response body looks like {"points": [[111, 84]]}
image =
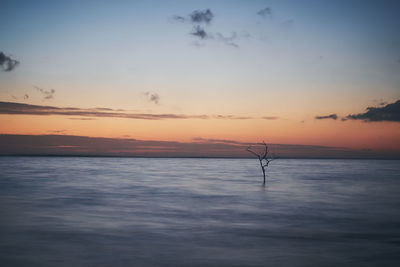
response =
{"points": [[299, 60], [348, 47]]}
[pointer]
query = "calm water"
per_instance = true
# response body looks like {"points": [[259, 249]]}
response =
{"points": [[198, 212]]}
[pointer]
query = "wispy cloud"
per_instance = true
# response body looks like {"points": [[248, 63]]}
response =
{"points": [[47, 94], [225, 141], [389, 112], [228, 40], [152, 97], [82, 119], [331, 116], [265, 12], [202, 34], [77, 113], [289, 23], [179, 18], [25, 96], [232, 117], [7, 63], [57, 131], [270, 118]]}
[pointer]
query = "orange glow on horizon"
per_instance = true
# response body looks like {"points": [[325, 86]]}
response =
{"points": [[349, 134]]}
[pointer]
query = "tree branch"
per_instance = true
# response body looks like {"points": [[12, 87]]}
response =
{"points": [[261, 157], [252, 152], [266, 150]]}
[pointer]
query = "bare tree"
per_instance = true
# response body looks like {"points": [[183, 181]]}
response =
{"points": [[262, 157]]}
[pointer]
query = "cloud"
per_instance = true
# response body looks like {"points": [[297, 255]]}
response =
{"points": [[225, 141], [82, 119], [57, 131], [198, 31], [201, 33], [390, 112], [152, 97], [59, 144], [202, 16], [331, 116], [19, 108], [270, 118], [231, 117], [7, 63], [47, 94], [179, 18], [197, 17], [13, 108], [265, 12], [228, 40]]}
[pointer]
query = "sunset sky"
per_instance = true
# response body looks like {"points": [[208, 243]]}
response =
{"points": [[299, 73]]}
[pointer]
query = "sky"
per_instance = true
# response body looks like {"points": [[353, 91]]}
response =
{"points": [[315, 74]]}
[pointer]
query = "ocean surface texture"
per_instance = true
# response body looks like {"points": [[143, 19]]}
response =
{"points": [[77, 211]]}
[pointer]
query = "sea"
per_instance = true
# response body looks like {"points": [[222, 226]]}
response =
{"points": [[110, 211]]}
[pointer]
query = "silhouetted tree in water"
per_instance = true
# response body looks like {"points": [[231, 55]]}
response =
{"points": [[262, 157]]}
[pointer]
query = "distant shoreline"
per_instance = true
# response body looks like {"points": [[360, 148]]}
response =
{"points": [[185, 157]]}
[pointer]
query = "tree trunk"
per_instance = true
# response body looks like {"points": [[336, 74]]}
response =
{"points": [[263, 170], [262, 157]]}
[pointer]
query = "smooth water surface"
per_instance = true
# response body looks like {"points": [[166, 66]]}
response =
{"points": [[57, 211]]}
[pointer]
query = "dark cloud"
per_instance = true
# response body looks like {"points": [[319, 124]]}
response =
{"points": [[19, 108], [270, 118], [58, 144], [106, 109], [197, 17], [390, 112], [152, 97], [26, 109], [265, 12], [7, 63], [198, 31], [202, 16], [47, 94], [205, 140], [331, 116], [57, 131]]}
